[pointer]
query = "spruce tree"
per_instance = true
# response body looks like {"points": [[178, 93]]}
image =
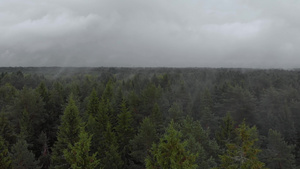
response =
{"points": [[142, 142], [97, 126], [93, 105], [5, 160], [68, 133], [112, 158], [278, 154], [157, 118], [243, 153], [124, 129], [21, 157], [78, 154], [226, 134], [6, 130], [45, 155], [171, 152], [199, 142], [175, 112]]}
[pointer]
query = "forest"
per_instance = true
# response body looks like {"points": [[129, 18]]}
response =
{"points": [[156, 118]]}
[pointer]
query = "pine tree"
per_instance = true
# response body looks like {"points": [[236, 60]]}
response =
{"points": [[78, 154], [68, 133], [243, 153], [21, 157], [5, 160], [171, 152]]}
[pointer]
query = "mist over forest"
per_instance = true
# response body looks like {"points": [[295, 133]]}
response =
{"points": [[110, 117], [156, 84]]}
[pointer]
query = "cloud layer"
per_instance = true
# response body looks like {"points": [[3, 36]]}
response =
{"points": [[207, 33]]}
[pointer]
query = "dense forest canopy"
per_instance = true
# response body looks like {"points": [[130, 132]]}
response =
{"points": [[149, 118]]}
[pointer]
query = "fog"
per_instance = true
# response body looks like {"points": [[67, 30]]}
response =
{"points": [[150, 33]]}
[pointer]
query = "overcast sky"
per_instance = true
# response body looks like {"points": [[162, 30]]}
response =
{"points": [[179, 33]]}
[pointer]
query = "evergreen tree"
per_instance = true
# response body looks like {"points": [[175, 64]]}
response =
{"points": [[124, 128], [78, 154], [45, 155], [206, 100], [278, 155], [142, 142], [93, 105], [21, 157], [175, 112], [43, 91], [97, 126], [26, 128], [112, 158], [6, 130], [243, 153], [171, 152], [5, 160], [157, 119], [68, 133], [226, 134], [93, 110], [199, 142], [209, 120]]}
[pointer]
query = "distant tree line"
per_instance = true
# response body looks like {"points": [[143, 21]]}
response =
{"points": [[149, 118]]}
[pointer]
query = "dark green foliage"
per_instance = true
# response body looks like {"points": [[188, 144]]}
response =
{"points": [[199, 142], [6, 130], [274, 113], [7, 96], [226, 134], [43, 91], [21, 157], [143, 141], [33, 100], [5, 160], [278, 154], [96, 126], [175, 112], [157, 119], [124, 131], [26, 129], [93, 105], [44, 157], [209, 120], [240, 102], [112, 158], [68, 133], [124, 128], [78, 154], [243, 153], [29, 113], [171, 152]]}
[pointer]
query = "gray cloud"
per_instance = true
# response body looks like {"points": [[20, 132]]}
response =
{"points": [[207, 33]]}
